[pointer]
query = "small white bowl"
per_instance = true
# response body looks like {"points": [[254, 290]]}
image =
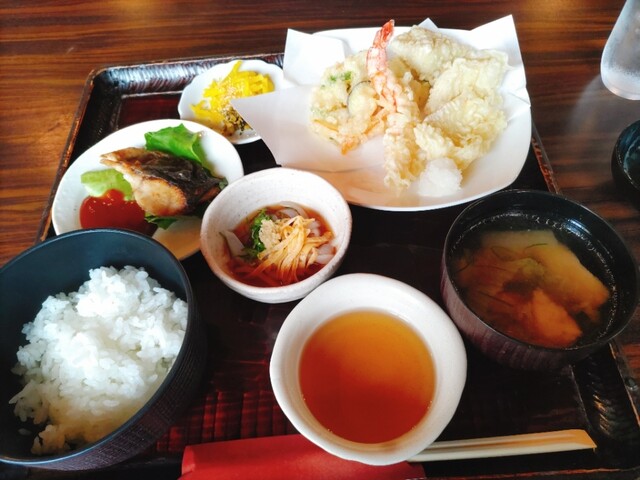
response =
{"points": [[253, 192], [363, 291]]}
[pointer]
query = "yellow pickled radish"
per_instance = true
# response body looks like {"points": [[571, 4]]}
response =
{"points": [[215, 109]]}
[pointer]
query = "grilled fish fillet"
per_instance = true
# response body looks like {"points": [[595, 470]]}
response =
{"points": [[163, 184]]}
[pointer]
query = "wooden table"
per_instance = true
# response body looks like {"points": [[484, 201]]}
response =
{"points": [[48, 49]]}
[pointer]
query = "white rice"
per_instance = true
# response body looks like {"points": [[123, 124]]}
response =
{"points": [[96, 356]]}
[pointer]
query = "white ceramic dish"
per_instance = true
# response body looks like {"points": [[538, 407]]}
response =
{"points": [[182, 238], [262, 189], [282, 120], [192, 94], [367, 291]]}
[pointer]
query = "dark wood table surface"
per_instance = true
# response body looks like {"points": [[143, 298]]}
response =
{"points": [[49, 47]]}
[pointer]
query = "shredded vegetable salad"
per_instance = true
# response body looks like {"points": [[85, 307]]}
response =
{"points": [[289, 247], [279, 245], [215, 108]]}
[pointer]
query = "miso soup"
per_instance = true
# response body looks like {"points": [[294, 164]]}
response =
{"points": [[535, 285]]}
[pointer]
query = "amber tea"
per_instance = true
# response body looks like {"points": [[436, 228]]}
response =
{"points": [[367, 376]]}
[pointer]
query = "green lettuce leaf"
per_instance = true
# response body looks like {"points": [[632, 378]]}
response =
{"points": [[99, 182], [178, 141], [161, 222], [166, 222]]}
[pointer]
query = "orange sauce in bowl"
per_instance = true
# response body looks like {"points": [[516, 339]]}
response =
{"points": [[367, 376]]}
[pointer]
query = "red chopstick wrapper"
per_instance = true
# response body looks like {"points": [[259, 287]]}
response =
{"points": [[284, 456]]}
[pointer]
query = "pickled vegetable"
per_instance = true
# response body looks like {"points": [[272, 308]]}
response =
{"points": [[215, 109]]}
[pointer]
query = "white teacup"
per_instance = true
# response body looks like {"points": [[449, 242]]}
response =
{"points": [[366, 292]]}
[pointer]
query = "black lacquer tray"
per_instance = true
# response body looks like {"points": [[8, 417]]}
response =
{"points": [[236, 400]]}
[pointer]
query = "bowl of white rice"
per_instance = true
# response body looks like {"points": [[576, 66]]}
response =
{"points": [[101, 351]]}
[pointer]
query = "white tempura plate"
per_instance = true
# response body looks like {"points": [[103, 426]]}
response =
{"points": [[282, 119], [193, 93], [182, 238]]}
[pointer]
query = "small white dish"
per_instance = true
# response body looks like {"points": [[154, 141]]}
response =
{"points": [[363, 291], [269, 188], [192, 94], [182, 238]]}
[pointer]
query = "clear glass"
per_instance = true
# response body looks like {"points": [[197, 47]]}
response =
{"points": [[620, 65]]}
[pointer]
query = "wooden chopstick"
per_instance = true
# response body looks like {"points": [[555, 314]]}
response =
{"points": [[522, 444]]}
